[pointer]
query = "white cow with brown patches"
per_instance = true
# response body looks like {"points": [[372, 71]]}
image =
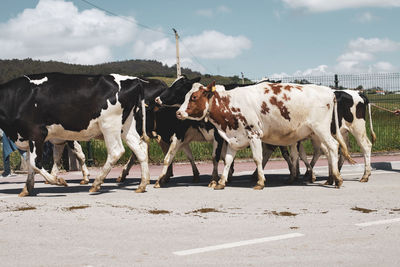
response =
{"points": [[277, 114]]}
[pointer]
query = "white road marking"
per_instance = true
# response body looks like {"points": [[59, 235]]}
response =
{"points": [[378, 222], [237, 244]]}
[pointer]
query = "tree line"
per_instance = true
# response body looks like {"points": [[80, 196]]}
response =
{"points": [[10, 69]]}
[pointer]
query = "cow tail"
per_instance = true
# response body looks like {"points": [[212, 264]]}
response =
{"points": [[144, 133], [373, 135], [339, 136]]}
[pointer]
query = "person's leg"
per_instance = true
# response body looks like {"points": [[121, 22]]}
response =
{"points": [[6, 159]]}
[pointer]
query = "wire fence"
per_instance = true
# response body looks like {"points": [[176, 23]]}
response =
{"points": [[382, 89]]}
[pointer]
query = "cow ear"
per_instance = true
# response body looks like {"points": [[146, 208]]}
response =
{"points": [[211, 87]]}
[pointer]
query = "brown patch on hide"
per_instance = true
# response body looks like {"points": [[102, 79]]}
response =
{"points": [[285, 97], [284, 111], [264, 108], [277, 88]]}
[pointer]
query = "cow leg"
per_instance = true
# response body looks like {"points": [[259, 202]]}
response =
{"points": [[77, 150], [218, 146], [257, 151], [230, 155], [331, 146], [35, 163], [294, 156], [125, 170], [267, 151], [365, 144], [316, 155], [303, 157], [164, 147], [173, 149], [115, 149], [57, 154], [30, 181], [140, 148], [188, 152]]}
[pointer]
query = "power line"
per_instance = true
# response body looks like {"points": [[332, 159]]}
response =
{"points": [[146, 27], [126, 18]]}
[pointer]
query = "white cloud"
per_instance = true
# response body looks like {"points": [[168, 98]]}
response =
{"points": [[57, 30], [361, 56], [207, 45], [365, 17], [361, 53], [210, 12], [325, 5], [205, 12], [355, 56], [373, 45]]}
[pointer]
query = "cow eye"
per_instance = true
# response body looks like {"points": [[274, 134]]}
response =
{"points": [[194, 98]]}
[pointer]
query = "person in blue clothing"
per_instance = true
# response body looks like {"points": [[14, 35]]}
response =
{"points": [[8, 148]]}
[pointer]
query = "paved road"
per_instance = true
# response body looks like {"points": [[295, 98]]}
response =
{"points": [[190, 224]]}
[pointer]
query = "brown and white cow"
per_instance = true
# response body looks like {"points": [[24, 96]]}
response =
{"points": [[277, 114]]}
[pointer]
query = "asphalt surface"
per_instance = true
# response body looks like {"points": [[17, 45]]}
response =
{"points": [[189, 224]]}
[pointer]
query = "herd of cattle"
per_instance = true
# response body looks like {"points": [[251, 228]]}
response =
{"points": [[66, 108]]}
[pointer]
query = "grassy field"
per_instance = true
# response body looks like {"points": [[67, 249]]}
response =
{"points": [[386, 126]]}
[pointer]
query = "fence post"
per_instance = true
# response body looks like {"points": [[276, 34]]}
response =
{"points": [[336, 81]]}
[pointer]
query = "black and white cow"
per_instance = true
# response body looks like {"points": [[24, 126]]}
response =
{"points": [[175, 134], [352, 107], [40, 107], [162, 124]]}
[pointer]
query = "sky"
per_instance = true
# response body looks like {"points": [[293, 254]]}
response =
{"points": [[258, 38]]}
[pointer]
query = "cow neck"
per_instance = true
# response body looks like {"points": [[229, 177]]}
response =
{"points": [[207, 117]]}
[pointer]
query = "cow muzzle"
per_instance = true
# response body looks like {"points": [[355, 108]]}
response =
{"points": [[181, 115], [158, 100]]}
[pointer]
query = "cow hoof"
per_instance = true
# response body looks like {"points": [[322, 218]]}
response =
{"points": [[219, 187], [24, 193], [157, 185], [364, 180], [338, 183], [94, 189], [313, 179], [328, 182], [258, 187], [212, 184], [140, 189], [84, 182], [61, 181], [46, 182]]}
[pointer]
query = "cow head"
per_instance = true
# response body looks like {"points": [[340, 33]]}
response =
{"points": [[175, 94], [196, 102]]}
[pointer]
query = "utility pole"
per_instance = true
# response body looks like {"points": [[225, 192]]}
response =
{"points": [[178, 64], [242, 78]]}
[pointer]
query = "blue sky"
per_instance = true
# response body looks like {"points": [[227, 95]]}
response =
{"points": [[259, 38]]}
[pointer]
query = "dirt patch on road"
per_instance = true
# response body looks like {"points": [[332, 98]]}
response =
{"points": [[23, 208], [76, 207], [203, 210], [281, 213], [363, 210], [159, 212]]}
